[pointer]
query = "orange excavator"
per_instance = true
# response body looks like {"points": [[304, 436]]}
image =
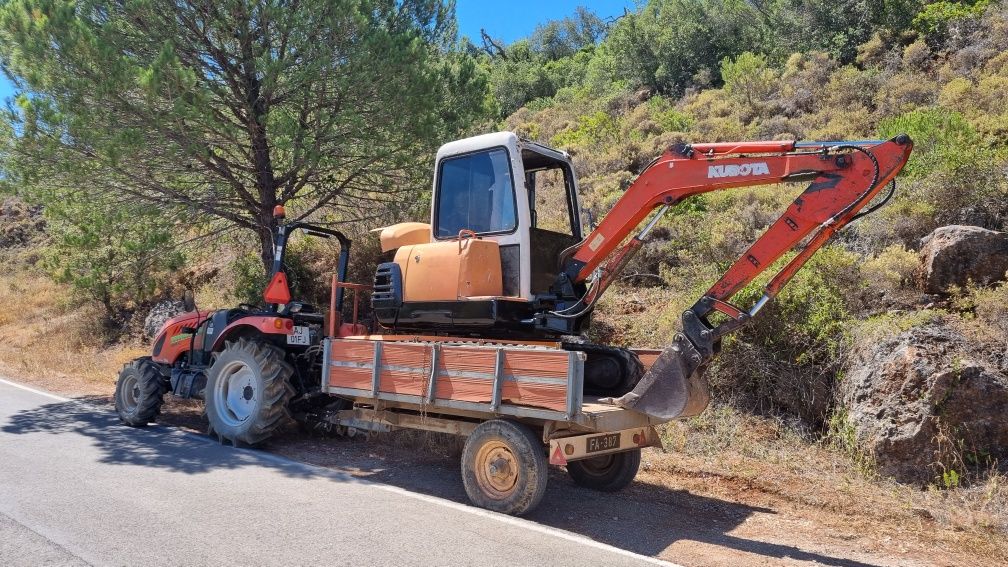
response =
{"points": [[490, 267]]}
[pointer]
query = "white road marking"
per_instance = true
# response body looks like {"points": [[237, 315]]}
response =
{"points": [[34, 391], [321, 471]]}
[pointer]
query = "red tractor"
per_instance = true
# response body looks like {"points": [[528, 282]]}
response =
{"points": [[253, 366]]}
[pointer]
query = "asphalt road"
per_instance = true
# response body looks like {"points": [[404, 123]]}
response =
{"points": [[78, 488]]}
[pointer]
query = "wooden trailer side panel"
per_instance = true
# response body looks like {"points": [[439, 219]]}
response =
{"points": [[531, 377], [542, 379]]}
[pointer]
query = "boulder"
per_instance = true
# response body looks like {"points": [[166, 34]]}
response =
{"points": [[956, 254], [159, 314], [926, 399]]}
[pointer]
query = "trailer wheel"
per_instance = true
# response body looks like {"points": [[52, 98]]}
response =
{"points": [[139, 392], [607, 473], [248, 388], [504, 467]]}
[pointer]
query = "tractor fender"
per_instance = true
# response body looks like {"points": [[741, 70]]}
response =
{"points": [[250, 325], [171, 342]]}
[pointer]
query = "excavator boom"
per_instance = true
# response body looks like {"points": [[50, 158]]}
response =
{"points": [[844, 176]]}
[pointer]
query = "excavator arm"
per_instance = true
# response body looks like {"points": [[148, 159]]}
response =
{"points": [[845, 177]]}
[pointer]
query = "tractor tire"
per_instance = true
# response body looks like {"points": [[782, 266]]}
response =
{"points": [[247, 392], [606, 473], [504, 467], [140, 392]]}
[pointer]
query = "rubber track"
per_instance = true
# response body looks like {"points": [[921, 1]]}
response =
{"points": [[632, 368]]}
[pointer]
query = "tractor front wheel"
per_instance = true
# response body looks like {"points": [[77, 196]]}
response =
{"points": [[248, 389], [139, 392]]}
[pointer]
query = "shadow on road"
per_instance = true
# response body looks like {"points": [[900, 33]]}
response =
{"points": [[644, 518], [156, 446]]}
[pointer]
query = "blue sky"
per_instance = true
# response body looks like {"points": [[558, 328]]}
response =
{"points": [[507, 21], [516, 19]]}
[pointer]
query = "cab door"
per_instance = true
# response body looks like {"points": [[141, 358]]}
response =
{"points": [[554, 213]]}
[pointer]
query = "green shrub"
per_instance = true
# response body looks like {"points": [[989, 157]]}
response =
{"points": [[748, 77], [936, 133], [891, 275], [787, 359], [591, 130], [122, 255], [667, 116], [937, 19], [249, 279]]}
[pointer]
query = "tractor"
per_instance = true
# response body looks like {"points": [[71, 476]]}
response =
{"points": [[254, 367]]}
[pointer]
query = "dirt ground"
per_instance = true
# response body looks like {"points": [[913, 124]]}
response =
{"points": [[729, 489]]}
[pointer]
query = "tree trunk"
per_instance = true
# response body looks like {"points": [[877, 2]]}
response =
{"points": [[265, 180], [267, 227]]}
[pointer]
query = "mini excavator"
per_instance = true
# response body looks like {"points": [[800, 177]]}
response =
{"points": [[505, 256]]}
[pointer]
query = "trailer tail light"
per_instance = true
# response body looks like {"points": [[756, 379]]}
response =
{"points": [[278, 324], [289, 324]]}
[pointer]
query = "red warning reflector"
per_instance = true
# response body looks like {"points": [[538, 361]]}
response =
{"points": [[277, 290], [641, 439], [558, 458]]}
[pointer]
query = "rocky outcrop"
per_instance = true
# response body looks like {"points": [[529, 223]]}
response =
{"points": [[926, 398], [956, 254], [161, 312]]}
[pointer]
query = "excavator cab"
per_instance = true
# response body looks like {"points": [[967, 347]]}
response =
{"points": [[503, 211]]}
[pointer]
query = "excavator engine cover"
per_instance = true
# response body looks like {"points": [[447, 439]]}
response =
{"points": [[449, 271]]}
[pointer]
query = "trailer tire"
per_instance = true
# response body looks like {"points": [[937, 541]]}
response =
{"points": [[247, 392], [139, 392], [504, 467], [607, 473]]}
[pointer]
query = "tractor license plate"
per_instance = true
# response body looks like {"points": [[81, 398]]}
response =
{"points": [[298, 336], [602, 442]]}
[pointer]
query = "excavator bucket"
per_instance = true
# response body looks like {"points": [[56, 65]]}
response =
{"points": [[674, 387]]}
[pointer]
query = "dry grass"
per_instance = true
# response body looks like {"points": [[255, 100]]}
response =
{"points": [[43, 339], [768, 462]]}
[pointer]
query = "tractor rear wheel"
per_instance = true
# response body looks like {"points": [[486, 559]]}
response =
{"points": [[607, 473], [139, 392], [504, 467], [247, 392]]}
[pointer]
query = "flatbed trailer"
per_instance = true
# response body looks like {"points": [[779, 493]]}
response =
{"points": [[520, 405]]}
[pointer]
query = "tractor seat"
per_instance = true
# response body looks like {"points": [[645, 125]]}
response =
{"points": [[299, 307], [304, 312]]}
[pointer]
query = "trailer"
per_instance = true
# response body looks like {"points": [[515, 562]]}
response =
{"points": [[520, 406]]}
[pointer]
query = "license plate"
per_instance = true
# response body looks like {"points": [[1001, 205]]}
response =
{"points": [[298, 336], [602, 442]]}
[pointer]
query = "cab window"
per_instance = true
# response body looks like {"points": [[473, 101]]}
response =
{"points": [[475, 192], [549, 200]]}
